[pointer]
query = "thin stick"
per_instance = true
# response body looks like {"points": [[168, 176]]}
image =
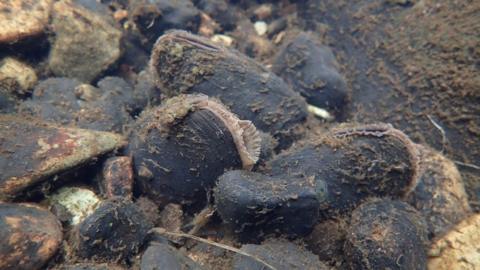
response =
{"points": [[467, 165], [442, 131], [162, 231]]}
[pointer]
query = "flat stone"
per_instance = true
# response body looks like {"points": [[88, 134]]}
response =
{"points": [[20, 19], [29, 236], [33, 150], [85, 44]]}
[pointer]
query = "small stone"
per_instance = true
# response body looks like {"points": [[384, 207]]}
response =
{"points": [[29, 236], [16, 76], [85, 43], [164, 256], [44, 150], [117, 177], [114, 232], [78, 203], [222, 40], [458, 249], [279, 253], [263, 11], [171, 217], [89, 266], [20, 19], [154, 17], [261, 27]]}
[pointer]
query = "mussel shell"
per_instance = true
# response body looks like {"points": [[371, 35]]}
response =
{"points": [[186, 63], [353, 166], [254, 204], [180, 164]]}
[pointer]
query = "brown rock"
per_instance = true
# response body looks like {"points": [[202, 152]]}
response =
{"points": [[458, 249], [23, 18], [117, 177], [16, 76], [85, 45], [29, 236], [34, 150]]}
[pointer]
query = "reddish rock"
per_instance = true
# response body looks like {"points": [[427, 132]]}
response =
{"points": [[29, 236]]}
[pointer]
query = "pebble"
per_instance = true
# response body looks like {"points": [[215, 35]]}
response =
{"points": [[20, 19], [44, 150], [164, 256], [29, 236], [279, 253], [18, 77], [222, 39], [89, 266], [72, 205], [261, 27], [114, 232], [117, 177], [85, 44]]}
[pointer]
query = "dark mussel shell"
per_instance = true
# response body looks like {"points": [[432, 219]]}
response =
{"points": [[186, 63], [181, 147]]}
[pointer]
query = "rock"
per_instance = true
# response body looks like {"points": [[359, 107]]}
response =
{"points": [[164, 256], [70, 102], [146, 93], [260, 27], [8, 101], [44, 150], [311, 70], [117, 177], [89, 266], [72, 205], [327, 240], [85, 45], [154, 17], [29, 236], [20, 19], [17, 77], [279, 253], [186, 63], [149, 209], [439, 193], [114, 232], [386, 234], [458, 249], [220, 10]]}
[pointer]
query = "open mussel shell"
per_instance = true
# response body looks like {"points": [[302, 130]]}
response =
{"points": [[353, 163], [181, 147], [185, 63], [385, 234]]}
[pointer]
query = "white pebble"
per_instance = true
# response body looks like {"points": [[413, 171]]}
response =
{"points": [[261, 27]]}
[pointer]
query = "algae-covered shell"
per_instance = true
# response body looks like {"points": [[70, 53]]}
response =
{"points": [[352, 163], [385, 234], [439, 193], [181, 147], [254, 204], [186, 63]]}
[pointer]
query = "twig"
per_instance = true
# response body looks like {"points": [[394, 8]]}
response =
{"points": [[162, 231], [472, 166], [442, 131], [201, 219]]}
